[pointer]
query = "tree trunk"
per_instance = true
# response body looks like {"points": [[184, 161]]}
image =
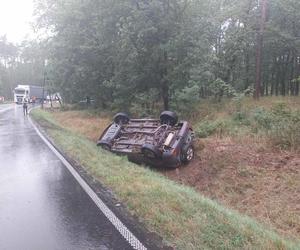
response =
{"points": [[259, 48], [247, 62], [165, 95], [247, 52], [282, 80], [278, 71], [272, 81], [164, 81], [267, 85], [296, 86], [292, 77], [273, 75]]}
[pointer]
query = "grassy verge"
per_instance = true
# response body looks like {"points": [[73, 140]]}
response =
{"points": [[183, 217], [275, 120]]}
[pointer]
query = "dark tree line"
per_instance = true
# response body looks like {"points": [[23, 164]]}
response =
{"points": [[22, 64], [171, 53]]}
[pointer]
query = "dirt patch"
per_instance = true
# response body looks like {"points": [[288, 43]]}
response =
{"points": [[250, 178], [84, 123]]}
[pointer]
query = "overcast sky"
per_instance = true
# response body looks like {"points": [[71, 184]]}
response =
{"points": [[15, 18]]}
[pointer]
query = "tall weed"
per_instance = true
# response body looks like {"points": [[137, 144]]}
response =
{"points": [[218, 127], [281, 125]]}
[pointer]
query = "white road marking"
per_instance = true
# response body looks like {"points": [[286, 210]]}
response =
{"points": [[124, 231]]}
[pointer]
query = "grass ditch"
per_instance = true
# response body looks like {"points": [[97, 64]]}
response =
{"points": [[182, 216]]}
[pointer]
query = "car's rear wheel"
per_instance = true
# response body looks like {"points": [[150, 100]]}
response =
{"points": [[105, 146], [187, 154], [150, 151], [121, 118], [168, 117]]}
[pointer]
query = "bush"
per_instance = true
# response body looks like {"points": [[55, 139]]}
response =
{"points": [[263, 118], [249, 91], [219, 127], [185, 100], [220, 89], [285, 130], [281, 125], [241, 118]]}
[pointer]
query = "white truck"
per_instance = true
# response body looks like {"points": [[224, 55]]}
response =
{"points": [[31, 92]]}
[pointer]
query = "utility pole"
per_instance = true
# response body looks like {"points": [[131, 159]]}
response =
{"points": [[259, 46], [44, 82]]}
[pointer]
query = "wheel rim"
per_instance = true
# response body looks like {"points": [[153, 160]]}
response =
{"points": [[190, 154], [122, 120], [106, 147], [149, 154]]}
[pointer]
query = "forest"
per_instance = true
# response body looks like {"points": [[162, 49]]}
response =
{"points": [[149, 54]]}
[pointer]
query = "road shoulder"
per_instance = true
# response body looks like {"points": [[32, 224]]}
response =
{"points": [[149, 240]]}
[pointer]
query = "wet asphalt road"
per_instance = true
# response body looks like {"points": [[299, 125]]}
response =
{"points": [[41, 204]]}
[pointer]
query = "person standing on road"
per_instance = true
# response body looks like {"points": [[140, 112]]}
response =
{"points": [[25, 106]]}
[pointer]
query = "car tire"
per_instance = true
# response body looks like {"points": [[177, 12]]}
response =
{"points": [[187, 154], [150, 151], [168, 117], [121, 118], [105, 146]]}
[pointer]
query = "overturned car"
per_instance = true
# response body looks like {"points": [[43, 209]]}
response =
{"points": [[161, 142]]}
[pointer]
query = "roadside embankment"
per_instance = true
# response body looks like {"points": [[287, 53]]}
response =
{"points": [[182, 216]]}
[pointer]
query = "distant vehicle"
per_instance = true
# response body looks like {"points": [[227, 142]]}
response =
{"points": [[162, 142], [31, 92]]}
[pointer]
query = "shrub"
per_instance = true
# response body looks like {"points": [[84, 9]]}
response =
{"points": [[219, 127], [281, 125], [220, 89], [205, 129], [185, 100], [285, 130], [263, 118], [241, 118], [249, 91]]}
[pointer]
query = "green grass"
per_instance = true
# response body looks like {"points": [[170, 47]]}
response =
{"points": [[278, 122], [183, 217]]}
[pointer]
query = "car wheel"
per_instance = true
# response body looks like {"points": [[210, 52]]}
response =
{"points": [[105, 146], [150, 151], [187, 154], [168, 117], [121, 118]]}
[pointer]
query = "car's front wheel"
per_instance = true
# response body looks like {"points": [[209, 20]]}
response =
{"points": [[187, 154], [150, 151], [105, 146], [121, 118], [168, 117]]}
